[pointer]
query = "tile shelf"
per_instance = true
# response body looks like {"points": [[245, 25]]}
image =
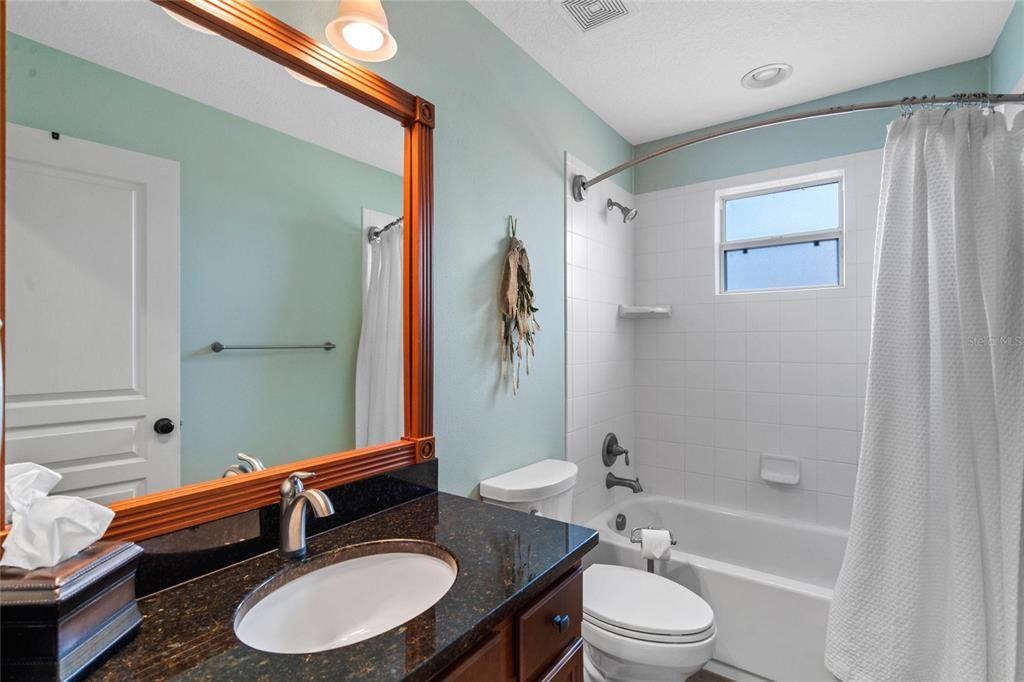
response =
{"points": [[646, 312]]}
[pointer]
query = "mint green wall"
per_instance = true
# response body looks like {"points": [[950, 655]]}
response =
{"points": [[503, 126], [1008, 54], [804, 140], [270, 252]]}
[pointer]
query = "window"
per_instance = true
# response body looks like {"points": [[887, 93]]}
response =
{"points": [[785, 236]]}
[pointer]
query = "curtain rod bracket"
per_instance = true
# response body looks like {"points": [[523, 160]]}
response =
{"points": [[579, 187], [375, 233]]}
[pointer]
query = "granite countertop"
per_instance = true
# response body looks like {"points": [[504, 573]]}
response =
{"points": [[187, 630]]}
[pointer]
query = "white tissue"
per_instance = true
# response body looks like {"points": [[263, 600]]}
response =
{"points": [[24, 483], [46, 530], [655, 543]]}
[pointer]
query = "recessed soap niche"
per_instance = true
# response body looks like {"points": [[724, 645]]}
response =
{"points": [[781, 469]]}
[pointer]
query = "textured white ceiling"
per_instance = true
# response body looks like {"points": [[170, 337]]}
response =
{"points": [[674, 66], [137, 38]]}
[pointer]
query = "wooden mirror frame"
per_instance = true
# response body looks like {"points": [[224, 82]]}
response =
{"points": [[239, 21]]}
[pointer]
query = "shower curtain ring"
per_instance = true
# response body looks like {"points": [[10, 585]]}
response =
{"points": [[906, 111]]}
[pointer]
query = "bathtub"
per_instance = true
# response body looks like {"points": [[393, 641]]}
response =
{"points": [[768, 580]]}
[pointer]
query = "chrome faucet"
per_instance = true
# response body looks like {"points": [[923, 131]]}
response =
{"points": [[611, 480], [294, 500], [248, 465]]}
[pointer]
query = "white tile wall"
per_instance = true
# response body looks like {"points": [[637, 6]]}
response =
{"points": [[600, 347], [728, 377]]}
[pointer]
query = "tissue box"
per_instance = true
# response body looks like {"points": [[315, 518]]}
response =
{"points": [[56, 623]]}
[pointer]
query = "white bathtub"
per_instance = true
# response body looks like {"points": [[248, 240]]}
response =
{"points": [[769, 581]]}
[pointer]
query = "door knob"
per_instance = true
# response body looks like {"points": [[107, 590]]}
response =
{"points": [[163, 426]]}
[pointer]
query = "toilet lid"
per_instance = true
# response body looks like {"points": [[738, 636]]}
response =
{"points": [[641, 602]]}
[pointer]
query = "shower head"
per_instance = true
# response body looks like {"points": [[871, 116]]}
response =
{"points": [[628, 214]]}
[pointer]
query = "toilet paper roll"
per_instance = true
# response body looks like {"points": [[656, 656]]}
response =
{"points": [[655, 543]]}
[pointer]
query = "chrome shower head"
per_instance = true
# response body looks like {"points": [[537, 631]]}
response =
{"points": [[628, 214]]}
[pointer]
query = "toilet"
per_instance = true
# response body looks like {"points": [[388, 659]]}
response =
{"points": [[637, 626]]}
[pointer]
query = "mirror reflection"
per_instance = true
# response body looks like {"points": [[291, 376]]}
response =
{"points": [[204, 255]]}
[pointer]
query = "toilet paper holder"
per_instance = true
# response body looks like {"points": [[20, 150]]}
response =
{"points": [[634, 535]]}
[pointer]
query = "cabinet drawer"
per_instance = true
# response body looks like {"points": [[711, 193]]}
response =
{"points": [[550, 626], [569, 667], [490, 661]]}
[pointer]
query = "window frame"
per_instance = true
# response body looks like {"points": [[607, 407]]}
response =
{"points": [[722, 245]]}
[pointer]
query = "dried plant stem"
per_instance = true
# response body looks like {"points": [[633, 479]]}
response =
{"points": [[518, 312]]}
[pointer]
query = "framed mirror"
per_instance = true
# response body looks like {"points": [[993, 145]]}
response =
{"points": [[216, 259]]}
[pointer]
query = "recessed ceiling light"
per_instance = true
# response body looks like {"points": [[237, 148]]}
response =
{"points": [[195, 26], [304, 79], [766, 76]]}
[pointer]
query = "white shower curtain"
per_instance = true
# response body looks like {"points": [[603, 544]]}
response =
{"points": [[380, 402], [930, 588]]}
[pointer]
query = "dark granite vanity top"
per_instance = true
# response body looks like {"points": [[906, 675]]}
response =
{"points": [[505, 559]]}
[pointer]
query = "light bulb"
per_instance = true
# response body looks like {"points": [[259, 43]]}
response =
{"points": [[359, 30], [767, 74], [362, 36]]}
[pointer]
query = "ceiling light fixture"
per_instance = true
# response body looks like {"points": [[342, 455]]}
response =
{"points": [[360, 30], [766, 76], [189, 23], [304, 79]]}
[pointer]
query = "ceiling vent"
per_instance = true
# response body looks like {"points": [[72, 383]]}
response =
{"points": [[593, 13]]}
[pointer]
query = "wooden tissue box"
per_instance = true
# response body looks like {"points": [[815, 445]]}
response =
{"points": [[56, 623]]}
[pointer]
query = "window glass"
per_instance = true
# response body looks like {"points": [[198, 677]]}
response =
{"points": [[789, 211], [785, 266]]}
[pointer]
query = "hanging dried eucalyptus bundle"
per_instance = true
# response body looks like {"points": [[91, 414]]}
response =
{"points": [[518, 321]]}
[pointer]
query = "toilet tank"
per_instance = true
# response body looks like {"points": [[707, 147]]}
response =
{"points": [[543, 488]]}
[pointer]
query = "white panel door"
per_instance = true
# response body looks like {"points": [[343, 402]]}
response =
{"points": [[92, 314]]}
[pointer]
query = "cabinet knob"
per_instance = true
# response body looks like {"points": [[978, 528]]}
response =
{"points": [[562, 622]]}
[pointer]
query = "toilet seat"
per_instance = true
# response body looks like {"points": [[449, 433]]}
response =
{"points": [[649, 636], [602, 645], [643, 606]]}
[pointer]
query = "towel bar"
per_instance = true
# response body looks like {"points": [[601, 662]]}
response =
{"points": [[217, 347]]}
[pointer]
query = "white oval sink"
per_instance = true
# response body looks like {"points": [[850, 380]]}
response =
{"points": [[346, 601]]}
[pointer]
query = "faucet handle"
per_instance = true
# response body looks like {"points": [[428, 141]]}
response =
{"points": [[254, 462], [292, 484], [611, 449]]}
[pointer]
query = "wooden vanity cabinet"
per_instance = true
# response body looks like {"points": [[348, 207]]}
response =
{"points": [[540, 643]]}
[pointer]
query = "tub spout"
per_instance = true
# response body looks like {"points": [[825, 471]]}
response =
{"points": [[611, 481]]}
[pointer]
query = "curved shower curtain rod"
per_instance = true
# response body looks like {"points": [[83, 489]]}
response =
{"points": [[580, 184]]}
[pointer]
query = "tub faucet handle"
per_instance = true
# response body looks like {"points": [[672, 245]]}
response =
{"points": [[611, 450]]}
